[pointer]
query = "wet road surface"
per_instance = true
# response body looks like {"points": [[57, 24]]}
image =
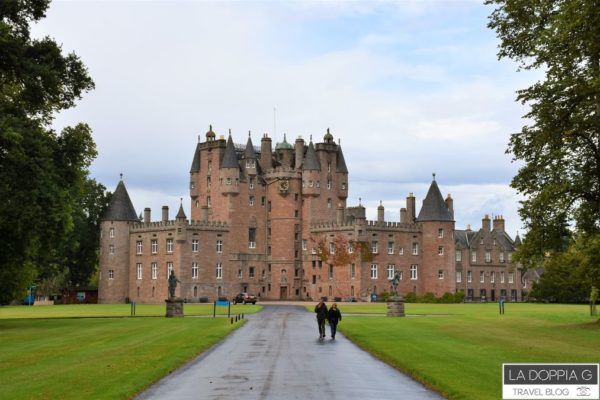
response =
{"points": [[277, 355]]}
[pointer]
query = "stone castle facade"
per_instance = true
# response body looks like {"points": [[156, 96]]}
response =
{"points": [[276, 223]]}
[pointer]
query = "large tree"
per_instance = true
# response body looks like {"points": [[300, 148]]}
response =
{"points": [[560, 147], [43, 174]]}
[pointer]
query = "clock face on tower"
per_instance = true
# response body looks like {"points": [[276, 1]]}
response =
{"points": [[284, 185]]}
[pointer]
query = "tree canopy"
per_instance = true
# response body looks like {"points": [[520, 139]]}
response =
{"points": [[560, 146], [43, 174]]}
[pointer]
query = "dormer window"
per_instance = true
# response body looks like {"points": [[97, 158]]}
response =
{"points": [[250, 163], [328, 167]]}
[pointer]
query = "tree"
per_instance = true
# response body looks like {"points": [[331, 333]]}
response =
{"points": [[560, 178], [42, 173]]}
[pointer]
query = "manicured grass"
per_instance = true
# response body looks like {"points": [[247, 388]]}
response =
{"points": [[116, 310], [97, 358], [461, 354]]}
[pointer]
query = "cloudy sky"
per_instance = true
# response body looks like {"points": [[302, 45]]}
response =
{"points": [[410, 88]]}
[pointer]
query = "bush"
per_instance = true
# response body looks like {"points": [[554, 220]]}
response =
{"points": [[459, 296], [429, 298], [384, 297], [410, 297], [447, 298]]}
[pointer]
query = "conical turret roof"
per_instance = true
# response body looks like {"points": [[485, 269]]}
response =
{"points": [[434, 208], [517, 240], [311, 162], [249, 153], [229, 158], [341, 162], [180, 213], [196, 161], [120, 207]]}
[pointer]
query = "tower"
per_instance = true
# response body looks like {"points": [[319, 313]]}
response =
{"points": [[114, 244]]}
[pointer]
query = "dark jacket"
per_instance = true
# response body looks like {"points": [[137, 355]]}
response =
{"points": [[321, 310], [334, 315]]}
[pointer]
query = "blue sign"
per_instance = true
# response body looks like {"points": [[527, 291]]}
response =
{"points": [[222, 302], [374, 297]]}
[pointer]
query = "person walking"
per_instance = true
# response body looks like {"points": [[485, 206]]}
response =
{"points": [[321, 310], [334, 316]]}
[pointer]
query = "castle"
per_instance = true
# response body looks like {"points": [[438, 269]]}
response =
{"points": [[276, 223]]}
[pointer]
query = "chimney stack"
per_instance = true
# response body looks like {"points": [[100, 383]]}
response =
{"points": [[266, 155], [299, 148], [450, 204], [410, 208], [499, 223], [380, 212], [403, 215], [165, 213], [147, 215], [485, 223]]}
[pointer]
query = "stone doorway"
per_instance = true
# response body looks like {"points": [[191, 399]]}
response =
{"points": [[283, 294]]}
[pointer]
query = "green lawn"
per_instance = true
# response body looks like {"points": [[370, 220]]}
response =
{"points": [[46, 356], [458, 349], [116, 310]]}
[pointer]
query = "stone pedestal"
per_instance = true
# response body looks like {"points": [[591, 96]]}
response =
{"points": [[395, 307], [174, 307]]}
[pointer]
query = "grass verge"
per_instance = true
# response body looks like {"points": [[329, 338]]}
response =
{"points": [[460, 355]]}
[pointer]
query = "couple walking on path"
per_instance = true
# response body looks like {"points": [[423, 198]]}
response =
{"points": [[333, 315]]}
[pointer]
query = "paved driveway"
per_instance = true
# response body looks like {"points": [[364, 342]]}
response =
{"points": [[277, 355]]}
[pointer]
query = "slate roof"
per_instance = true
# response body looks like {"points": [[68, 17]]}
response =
{"points": [[196, 161], [311, 162], [230, 158], [180, 213], [434, 208], [463, 237], [249, 151], [341, 163], [120, 207]]}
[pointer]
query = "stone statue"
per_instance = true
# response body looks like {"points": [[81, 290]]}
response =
{"points": [[172, 284], [394, 283]]}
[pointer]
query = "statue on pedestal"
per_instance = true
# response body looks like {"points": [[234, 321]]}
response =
{"points": [[395, 283], [172, 284]]}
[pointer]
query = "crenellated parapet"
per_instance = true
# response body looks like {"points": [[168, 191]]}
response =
{"points": [[142, 227]]}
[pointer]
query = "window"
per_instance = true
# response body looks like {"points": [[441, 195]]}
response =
{"points": [[328, 167], [240, 273], [251, 201], [501, 257], [373, 271], [391, 269], [440, 233], [473, 256], [414, 275], [219, 271], [169, 245], [154, 270], [330, 271], [208, 202], [493, 277], [318, 184], [195, 270], [329, 203], [481, 276], [195, 245], [314, 279], [331, 248], [375, 247], [263, 201], [415, 249], [192, 185], [219, 246], [250, 164], [169, 269], [139, 270], [263, 273], [154, 246], [511, 277], [390, 248], [310, 183], [138, 247], [111, 249], [228, 181], [111, 274], [509, 257], [469, 276], [501, 277], [440, 250], [488, 256], [458, 276], [208, 182], [352, 271], [458, 256], [252, 238], [251, 272], [350, 247], [343, 185], [304, 244], [111, 232], [401, 251], [209, 165], [441, 274], [251, 183]]}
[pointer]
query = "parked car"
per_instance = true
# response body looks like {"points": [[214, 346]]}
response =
{"points": [[244, 298]]}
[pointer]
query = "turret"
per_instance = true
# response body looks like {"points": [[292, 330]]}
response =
{"points": [[340, 214], [113, 286], [311, 171], [266, 155], [250, 157], [342, 173], [380, 212], [181, 223], [285, 152], [229, 172]]}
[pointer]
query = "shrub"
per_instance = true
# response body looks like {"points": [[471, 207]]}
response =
{"points": [[447, 298], [459, 296], [384, 296], [410, 297], [428, 298]]}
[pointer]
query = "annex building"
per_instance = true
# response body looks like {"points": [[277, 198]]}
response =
{"points": [[275, 222]]}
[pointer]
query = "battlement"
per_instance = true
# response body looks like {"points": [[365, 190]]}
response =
{"points": [[282, 171], [170, 225]]}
